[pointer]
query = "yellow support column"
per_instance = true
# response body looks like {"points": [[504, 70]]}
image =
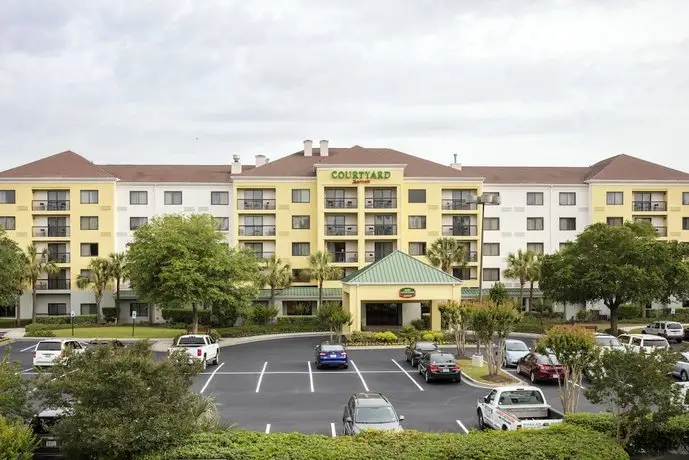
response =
{"points": [[435, 315]]}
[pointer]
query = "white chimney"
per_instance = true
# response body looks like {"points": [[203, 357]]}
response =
{"points": [[308, 148], [236, 165], [261, 160], [456, 165], [324, 148]]}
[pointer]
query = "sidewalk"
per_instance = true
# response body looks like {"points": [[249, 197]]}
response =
{"points": [[164, 344]]}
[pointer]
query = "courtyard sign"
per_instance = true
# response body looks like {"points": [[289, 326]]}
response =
{"points": [[360, 177], [407, 293]]}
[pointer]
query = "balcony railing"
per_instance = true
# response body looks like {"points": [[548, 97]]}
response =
{"points": [[381, 203], [381, 229], [470, 256], [340, 203], [340, 230], [59, 257], [374, 257], [458, 205], [344, 257], [459, 230], [649, 206], [50, 205], [262, 256], [464, 274], [51, 231], [662, 231], [257, 230], [52, 284], [255, 204]]}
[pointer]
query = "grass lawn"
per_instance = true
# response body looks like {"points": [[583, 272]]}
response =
{"points": [[119, 332], [480, 374]]}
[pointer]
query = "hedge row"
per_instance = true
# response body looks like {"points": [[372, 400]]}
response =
{"points": [[397, 338], [16, 440], [279, 327], [65, 319], [560, 442]]}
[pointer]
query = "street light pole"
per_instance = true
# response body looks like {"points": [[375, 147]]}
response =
{"points": [[481, 201]]}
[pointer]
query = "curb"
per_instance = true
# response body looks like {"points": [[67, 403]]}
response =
{"points": [[265, 337]]}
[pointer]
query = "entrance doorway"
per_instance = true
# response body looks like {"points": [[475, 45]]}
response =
{"points": [[383, 314]]}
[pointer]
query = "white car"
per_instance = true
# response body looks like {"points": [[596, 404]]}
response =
{"points": [[643, 342], [681, 368], [47, 352], [671, 330], [199, 347], [513, 351], [514, 407], [608, 342]]}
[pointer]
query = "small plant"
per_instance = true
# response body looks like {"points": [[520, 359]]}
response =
{"points": [[409, 333], [263, 314], [582, 315], [385, 337], [421, 323]]}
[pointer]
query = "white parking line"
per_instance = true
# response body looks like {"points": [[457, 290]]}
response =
{"points": [[27, 370], [360, 376], [461, 425], [332, 430], [268, 428], [331, 372], [211, 378], [407, 374], [260, 378], [29, 348], [310, 375]]}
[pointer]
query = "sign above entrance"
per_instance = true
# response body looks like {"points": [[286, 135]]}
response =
{"points": [[360, 177], [407, 293]]}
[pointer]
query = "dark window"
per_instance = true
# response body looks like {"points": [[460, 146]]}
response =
{"points": [[491, 249], [685, 197], [173, 197], [223, 223], [417, 222], [685, 223], [534, 223], [8, 222], [297, 308], [301, 249], [138, 197], [614, 198], [89, 197], [7, 197], [88, 309], [141, 309], [85, 272], [568, 199], [417, 249], [492, 223], [568, 223], [534, 198], [615, 221], [535, 247], [89, 223], [301, 222], [301, 195], [55, 309], [136, 222], [300, 275], [417, 196], [220, 198], [89, 249], [491, 274]]}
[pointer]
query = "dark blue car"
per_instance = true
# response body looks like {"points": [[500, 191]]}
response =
{"points": [[331, 355]]}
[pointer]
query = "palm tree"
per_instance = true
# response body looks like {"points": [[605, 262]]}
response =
{"points": [[518, 267], [276, 275], [534, 274], [116, 266], [37, 263], [446, 252], [98, 278], [321, 269]]}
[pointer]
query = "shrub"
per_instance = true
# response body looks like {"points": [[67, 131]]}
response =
{"points": [[263, 314], [249, 330], [422, 323], [65, 319], [298, 321], [183, 315], [385, 337], [582, 315], [408, 333], [431, 336], [39, 330], [17, 441], [628, 312], [10, 322], [109, 313]]}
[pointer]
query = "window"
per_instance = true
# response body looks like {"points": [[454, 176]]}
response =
{"points": [[173, 197], [568, 199], [223, 223], [491, 197], [685, 223], [141, 309], [89, 249], [417, 249], [685, 197], [491, 249], [615, 221], [417, 222], [534, 198], [417, 196], [89, 223], [535, 247], [85, 272], [88, 309], [301, 222], [491, 274], [301, 195], [301, 249], [55, 309], [138, 197], [136, 222], [8, 222], [492, 223], [534, 223], [297, 308], [7, 197], [568, 223], [89, 197], [220, 198], [614, 198], [300, 275]]}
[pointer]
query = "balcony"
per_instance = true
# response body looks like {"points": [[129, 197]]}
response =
{"points": [[381, 203], [263, 256], [374, 257], [50, 205], [257, 230], [471, 256], [345, 257], [381, 229], [458, 205], [59, 257], [649, 206], [459, 230], [662, 231], [340, 203], [55, 284], [254, 204], [340, 230], [51, 231]]}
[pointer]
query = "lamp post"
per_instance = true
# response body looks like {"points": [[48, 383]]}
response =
{"points": [[481, 201]]}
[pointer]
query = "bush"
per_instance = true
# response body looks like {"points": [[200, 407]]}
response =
{"points": [[422, 323], [263, 314], [64, 320], [109, 313], [628, 312], [39, 330], [10, 322], [17, 441], [408, 333], [249, 330], [582, 315], [298, 321], [385, 337], [558, 442], [183, 315], [431, 336]]}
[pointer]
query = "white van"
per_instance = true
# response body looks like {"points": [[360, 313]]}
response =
{"points": [[49, 351], [643, 342], [671, 330]]}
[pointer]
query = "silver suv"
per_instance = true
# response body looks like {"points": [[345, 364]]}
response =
{"points": [[370, 411], [671, 330]]}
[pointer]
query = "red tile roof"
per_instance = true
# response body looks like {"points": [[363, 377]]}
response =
{"points": [[626, 167], [67, 165], [172, 173]]}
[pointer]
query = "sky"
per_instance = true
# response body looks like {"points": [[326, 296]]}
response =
{"points": [[495, 82]]}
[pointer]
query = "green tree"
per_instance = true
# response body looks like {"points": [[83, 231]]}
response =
{"points": [[36, 265], [181, 261], [457, 316], [616, 265], [534, 274], [519, 265], [445, 253], [97, 279], [321, 270], [498, 293], [13, 397], [334, 316], [14, 267], [17, 441], [276, 275], [574, 348], [117, 266], [492, 324]]}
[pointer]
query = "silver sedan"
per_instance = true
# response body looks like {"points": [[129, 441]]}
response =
{"points": [[681, 368], [514, 350]]}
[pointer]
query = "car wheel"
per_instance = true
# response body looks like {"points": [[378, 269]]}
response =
{"points": [[428, 379], [519, 369], [679, 340], [481, 422], [204, 362], [346, 366], [414, 363], [216, 360], [532, 376], [683, 376], [318, 365], [406, 357]]}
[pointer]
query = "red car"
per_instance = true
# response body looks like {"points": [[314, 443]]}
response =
{"points": [[540, 367]]}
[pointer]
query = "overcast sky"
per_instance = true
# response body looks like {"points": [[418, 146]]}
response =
{"points": [[497, 82]]}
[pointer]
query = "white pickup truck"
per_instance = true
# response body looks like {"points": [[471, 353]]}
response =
{"points": [[515, 407], [200, 347]]}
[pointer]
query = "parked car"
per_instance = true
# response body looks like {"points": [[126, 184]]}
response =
{"points": [[514, 407], [47, 352], [681, 368], [198, 347], [415, 350], [48, 446], [607, 342], [540, 367], [440, 365], [671, 330], [327, 354], [513, 351], [643, 342], [370, 411]]}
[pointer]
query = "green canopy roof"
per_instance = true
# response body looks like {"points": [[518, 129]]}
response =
{"points": [[301, 292], [400, 268], [512, 292]]}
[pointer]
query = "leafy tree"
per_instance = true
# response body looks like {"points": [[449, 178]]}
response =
{"points": [[447, 252], [321, 269], [492, 324], [334, 316], [98, 277], [36, 264], [117, 268], [13, 397], [519, 265], [457, 316], [13, 265], [276, 275], [616, 265], [177, 261], [498, 293], [574, 348], [17, 441], [634, 387], [534, 274]]}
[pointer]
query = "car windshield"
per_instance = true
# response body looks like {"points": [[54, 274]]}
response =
{"points": [[550, 359], [608, 341], [426, 346], [515, 397], [655, 343], [674, 326], [444, 358], [380, 414], [337, 348], [49, 346], [516, 346], [190, 341]]}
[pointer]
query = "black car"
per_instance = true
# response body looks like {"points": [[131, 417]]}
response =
{"points": [[415, 350], [48, 445], [440, 365]]}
